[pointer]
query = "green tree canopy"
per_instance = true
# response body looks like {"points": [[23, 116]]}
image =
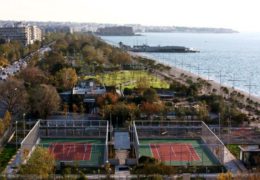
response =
{"points": [[41, 163], [44, 100]]}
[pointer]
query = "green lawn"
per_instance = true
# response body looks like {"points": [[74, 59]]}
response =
{"points": [[234, 149], [5, 155], [130, 79]]}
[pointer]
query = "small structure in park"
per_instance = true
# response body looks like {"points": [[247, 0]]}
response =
{"points": [[89, 87], [250, 155]]}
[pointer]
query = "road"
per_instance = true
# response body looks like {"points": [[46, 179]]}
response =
{"points": [[22, 63]]}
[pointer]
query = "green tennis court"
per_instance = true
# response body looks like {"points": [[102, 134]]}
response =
{"points": [[84, 152], [177, 152]]}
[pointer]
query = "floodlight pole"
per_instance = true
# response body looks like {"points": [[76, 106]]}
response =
{"points": [[250, 85], [209, 72], [220, 80], [16, 134], [24, 125], [233, 80], [199, 69], [189, 66]]}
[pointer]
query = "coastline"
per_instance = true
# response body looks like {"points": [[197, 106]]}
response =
{"points": [[176, 72]]}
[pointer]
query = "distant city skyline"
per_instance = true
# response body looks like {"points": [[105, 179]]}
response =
{"points": [[239, 15]]}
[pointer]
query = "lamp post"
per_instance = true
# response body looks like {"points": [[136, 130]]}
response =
{"points": [[24, 114], [16, 134]]}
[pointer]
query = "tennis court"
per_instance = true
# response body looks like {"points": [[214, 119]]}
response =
{"points": [[178, 151], [84, 152]]}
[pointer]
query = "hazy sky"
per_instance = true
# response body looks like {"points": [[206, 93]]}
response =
{"points": [[242, 15]]}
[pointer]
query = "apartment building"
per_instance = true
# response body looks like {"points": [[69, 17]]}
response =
{"points": [[23, 33]]}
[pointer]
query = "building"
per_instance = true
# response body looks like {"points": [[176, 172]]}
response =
{"points": [[250, 155], [58, 29], [116, 31], [20, 32], [36, 33]]}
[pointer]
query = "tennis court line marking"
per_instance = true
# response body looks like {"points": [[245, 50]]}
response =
{"points": [[158, 153], [90, 155], [173, 150], [187, 147], [194, 153], [69, 148], [85, 148], [152, 145], [53, 147], [197, 155]]}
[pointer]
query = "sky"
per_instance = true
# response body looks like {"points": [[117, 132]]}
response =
{"points": [[241, 15]]}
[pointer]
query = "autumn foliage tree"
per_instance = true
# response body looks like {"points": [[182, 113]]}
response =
{"points": [[107, 98], [5, 122], [3, 62], [151, 108], [66, 78], [33, 76]]}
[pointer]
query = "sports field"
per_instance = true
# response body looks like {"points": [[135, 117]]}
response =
{"points": [[130, 79], [81, 151], [178, 152]]}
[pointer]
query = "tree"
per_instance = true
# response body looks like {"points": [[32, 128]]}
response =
{"points": [[225, 176], [44, 100], [108, 98], [3, 62], [202, 111], [119, 112], [13, 96], [150, 95], [41, 163], [2, 127], [66, 78], [151, 108], [7, 119], [118, 57], [33, 76], [53, 62]]}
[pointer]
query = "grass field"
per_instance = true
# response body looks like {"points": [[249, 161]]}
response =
{"points": [[200, 155], [5, 155], [130, 79], [96, 154]]}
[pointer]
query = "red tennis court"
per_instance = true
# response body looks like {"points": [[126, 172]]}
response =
{"points": [[67, 151], [174, 152]]}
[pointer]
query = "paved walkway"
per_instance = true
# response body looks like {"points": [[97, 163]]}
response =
{"points": [[232, 164], [121, 155], [122, 140]]}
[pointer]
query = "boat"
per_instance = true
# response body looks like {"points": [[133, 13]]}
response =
{"points": [[159, 49]]}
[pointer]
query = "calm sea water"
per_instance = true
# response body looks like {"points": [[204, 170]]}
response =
{"points": [[237, 56]]}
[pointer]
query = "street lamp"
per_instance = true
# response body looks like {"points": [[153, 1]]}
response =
{"points": [[24, 114], [16, 134]]}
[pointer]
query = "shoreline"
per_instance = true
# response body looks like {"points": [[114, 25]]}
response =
{"points": [[175, 73]]}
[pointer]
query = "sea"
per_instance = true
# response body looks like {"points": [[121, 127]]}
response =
{"points": [[232, 59]]}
